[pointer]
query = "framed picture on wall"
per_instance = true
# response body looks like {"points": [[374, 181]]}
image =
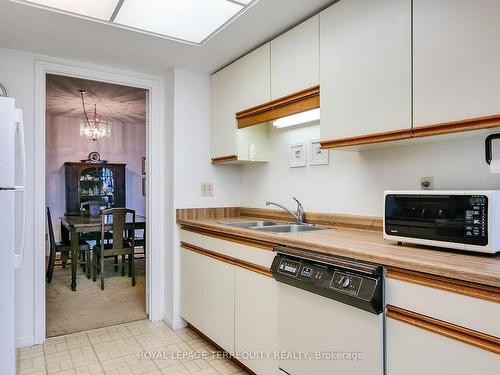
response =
{"points": [[144, 186], [298, 155], [143, 164]]}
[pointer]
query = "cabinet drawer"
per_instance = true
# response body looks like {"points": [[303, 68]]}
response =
{"points": [[474, 313], [191, 237], [256, 255]]}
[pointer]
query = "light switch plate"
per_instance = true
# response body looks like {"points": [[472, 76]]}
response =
{"points": [[207, 189]]}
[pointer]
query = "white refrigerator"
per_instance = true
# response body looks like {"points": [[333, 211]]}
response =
{"points": [[12, 224]]}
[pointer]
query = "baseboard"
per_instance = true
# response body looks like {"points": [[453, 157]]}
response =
{"points": [[25, 341], [174, 324]]}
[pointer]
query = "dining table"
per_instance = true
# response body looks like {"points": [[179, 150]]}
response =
{"points": [[73, 225]]}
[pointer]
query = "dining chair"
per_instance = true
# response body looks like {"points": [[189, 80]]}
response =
{"points": [[64, 249], [138, 240], [120, 245]]}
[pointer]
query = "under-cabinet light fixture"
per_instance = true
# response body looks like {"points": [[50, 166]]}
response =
{"points": [[301, 118]]}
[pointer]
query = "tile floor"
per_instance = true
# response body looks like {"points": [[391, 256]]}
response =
{"points": [[138, 348]]}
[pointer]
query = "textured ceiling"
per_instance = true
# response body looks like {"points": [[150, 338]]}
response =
{"points": [[115, 103]]}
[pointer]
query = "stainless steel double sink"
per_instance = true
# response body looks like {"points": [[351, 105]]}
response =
{"points": [[272, 226]]}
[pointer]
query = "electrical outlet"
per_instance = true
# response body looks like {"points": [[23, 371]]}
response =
{"points": [[427, 183], [207, 189]]}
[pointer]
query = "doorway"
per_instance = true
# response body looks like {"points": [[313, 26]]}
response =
{"points": [[158, 210], [95, 160]]}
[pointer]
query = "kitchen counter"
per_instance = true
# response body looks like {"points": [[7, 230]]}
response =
{"points": [[369, 245]]}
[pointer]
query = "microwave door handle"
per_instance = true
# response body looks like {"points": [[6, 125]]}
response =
{"points": [[18, 258]]}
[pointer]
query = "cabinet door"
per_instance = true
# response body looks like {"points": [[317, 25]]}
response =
{"points": [[222, 113], [253, 83], [456, 60], [365, 60], [191, 286], [295, 59], [218, 302], [256, 319], [415, 351]]}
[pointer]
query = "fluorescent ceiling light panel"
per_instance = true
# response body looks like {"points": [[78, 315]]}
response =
{"points": [[297, 119], [189, 20], [242, 2], [100, 9]]}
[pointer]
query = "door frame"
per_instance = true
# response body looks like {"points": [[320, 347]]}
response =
{"points": [[156, 144]]}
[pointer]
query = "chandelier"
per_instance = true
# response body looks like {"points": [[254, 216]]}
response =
{"points": [[93, 129]]}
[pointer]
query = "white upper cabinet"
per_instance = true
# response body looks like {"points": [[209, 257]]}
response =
{"points": [[241, 85], [295, 59], [365, 65], [222, 113], [253, 81], [456, 60]]}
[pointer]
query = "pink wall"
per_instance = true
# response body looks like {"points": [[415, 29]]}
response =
{"points": [[127, 144]]}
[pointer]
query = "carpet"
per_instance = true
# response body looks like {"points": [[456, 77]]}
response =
{"points": [[90, 307]]}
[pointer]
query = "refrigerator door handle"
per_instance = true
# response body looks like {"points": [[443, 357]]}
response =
{"points": [[22, 146], [18, 260]]}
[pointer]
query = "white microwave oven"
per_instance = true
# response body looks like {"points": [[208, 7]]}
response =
{"points": [[457, 219]]}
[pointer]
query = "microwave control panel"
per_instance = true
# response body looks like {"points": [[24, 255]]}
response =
{"points": [[476, 223]]}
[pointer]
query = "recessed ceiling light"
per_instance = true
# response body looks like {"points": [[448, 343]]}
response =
{"points": [[100, 9], [191, 21], [301, 118]]}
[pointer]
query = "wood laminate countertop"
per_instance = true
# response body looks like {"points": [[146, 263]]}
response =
{"points": [[369, 245]]}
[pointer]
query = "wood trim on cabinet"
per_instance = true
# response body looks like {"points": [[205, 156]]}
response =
{"points": [[227, 259], [224, 159], [367, 139], [478, 123], [228, 237], [208, 253], [253, 267], [288, 105], [465, 335], [466, 288]]}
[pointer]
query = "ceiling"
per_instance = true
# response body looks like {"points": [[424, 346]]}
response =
{"points": [[115, 103], [41, 31]]}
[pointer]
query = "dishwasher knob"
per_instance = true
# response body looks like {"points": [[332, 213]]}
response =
{"points": [[344, 282]]}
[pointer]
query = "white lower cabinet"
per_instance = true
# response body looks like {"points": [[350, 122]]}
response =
{"points": [[190, 266], [255, 320], [218, 302], [415, 351]]}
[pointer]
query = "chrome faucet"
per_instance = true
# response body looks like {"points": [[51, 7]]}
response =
{"points": [[298, 216]]}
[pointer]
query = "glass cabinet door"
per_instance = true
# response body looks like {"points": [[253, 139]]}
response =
{"points": [[96, 186]]}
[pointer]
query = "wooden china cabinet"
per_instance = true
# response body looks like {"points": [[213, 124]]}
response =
{"points": [[86, 183]]}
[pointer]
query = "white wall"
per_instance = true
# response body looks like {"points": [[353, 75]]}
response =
{"points": [[354, 182], [127, 144], [192, 162], [188, 94]]}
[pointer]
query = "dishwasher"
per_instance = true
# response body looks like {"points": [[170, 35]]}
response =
{"points": [[330, 314]]}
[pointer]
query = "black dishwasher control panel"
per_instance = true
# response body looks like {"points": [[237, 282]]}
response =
{"points": [[353, 283]]}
